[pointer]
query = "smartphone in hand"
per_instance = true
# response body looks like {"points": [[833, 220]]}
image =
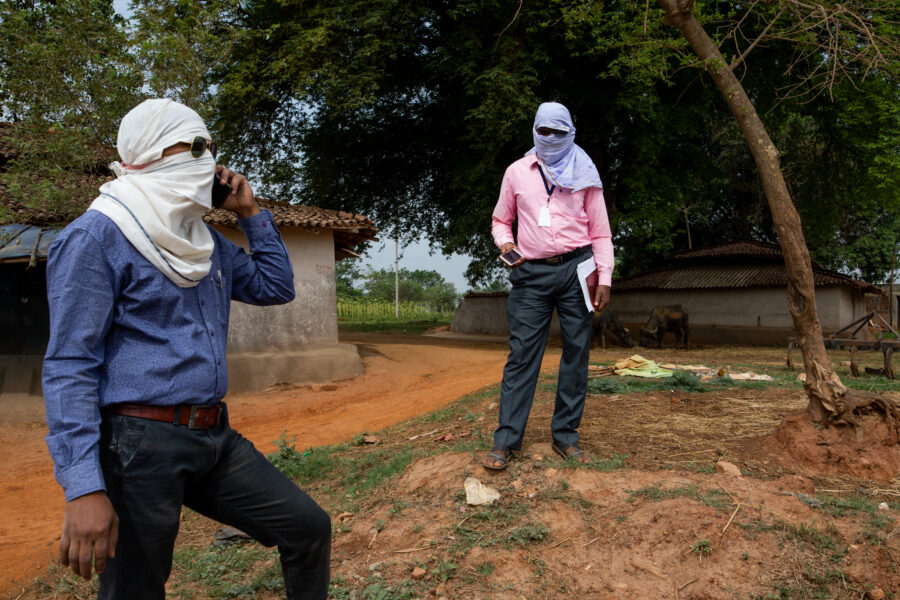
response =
{"points": [[220, 192], [511, 256]]}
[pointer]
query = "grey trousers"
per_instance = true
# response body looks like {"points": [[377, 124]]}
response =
{"points": [[537, 290]]}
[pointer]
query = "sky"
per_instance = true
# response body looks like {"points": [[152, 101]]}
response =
{"points": [[415, 256]]}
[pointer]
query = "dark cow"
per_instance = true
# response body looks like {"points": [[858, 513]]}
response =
{"points": [[606, 319], [666, 318]]}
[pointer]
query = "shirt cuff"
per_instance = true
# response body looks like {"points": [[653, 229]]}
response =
{"points": [[604, 278], [503, 239], [81, 478]]}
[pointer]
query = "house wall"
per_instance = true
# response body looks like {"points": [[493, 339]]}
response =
{"points": [[739, 316], [487, 316], [295, 342], [757, 316]]}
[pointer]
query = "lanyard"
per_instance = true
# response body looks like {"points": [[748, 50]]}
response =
{"points": [[548, 188]]}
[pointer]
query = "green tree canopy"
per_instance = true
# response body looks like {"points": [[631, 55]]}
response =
{"points": [[410, 111]]}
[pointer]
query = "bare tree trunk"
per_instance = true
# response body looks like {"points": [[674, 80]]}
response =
{"points": [[823, 387]]}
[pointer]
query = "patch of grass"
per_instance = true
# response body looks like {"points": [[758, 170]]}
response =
{"points": [[398, 507], [840, 507], [528, 534], [236, 571], [809, 534], [877, 523], [707, 497], [702, 547], [62, 582], [681, 381], [459, 409], [813, 585], [378, 590], [606, 465], [499, 515], [357, 473], [307, 466], [826, 543], [444, 570], [391, 325]]}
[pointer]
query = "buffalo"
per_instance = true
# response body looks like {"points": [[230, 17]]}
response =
{"points": [[606, 319], [666, 318]]}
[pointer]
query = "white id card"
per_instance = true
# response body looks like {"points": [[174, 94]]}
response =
{"points": [[544, 217]]}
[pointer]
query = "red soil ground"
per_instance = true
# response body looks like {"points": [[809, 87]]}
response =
{"points": [[405, 376]]}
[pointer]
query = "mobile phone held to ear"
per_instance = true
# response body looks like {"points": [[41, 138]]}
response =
{"points": [[511, 256], [220, 192]]}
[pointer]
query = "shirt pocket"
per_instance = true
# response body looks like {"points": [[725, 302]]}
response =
{"points": [[571, 205]]}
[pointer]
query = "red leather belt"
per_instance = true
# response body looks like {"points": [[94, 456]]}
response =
{"points": [[195, 416]]}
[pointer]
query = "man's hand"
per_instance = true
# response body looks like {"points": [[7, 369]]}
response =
{"points": [[90, 531], [506, 248], [240, 201], [601, 297]]}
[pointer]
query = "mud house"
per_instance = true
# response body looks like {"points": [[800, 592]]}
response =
{"points": [[296, 342], [735, 294]]}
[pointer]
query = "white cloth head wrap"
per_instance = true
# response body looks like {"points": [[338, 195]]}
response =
{"points": [[569, 165], [159, 203]]}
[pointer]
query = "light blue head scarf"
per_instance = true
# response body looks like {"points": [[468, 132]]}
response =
{"points": [[570, 166]]}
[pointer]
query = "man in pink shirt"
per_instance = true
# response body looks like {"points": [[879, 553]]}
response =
{"points": [[555, 194]]}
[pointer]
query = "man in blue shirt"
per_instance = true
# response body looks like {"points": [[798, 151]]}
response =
{"points": [[139, 291]]}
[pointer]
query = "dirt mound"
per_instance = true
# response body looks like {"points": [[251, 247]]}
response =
{"points": [[807, 447], [563, 532], [434, 471]]}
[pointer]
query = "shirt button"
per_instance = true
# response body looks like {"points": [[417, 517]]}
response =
{"points": [[211, 332], [203, 303], [219, 362]]}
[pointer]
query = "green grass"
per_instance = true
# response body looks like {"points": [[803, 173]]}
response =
{"points": [[680, 381], [356, 474], [237, 571], [392, 325], [707, 497], [376, 590]]}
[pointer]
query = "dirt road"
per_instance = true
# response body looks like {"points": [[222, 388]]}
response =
{"points": [[406, 375]]}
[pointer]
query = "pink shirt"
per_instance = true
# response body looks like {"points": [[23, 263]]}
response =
{"points": [[577, 219]]}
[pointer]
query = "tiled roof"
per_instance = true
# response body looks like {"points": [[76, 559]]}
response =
{"points": [[348, 229], [742, 275], [743, 248]]}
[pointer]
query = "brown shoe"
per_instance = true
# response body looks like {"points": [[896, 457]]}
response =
{"points": [[572, 452]]}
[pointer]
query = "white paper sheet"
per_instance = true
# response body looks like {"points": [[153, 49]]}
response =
{"points": [[585, 269]]}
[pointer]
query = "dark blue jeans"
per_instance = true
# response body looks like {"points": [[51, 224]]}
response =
{"points": [[152, 468], [536, 290]]}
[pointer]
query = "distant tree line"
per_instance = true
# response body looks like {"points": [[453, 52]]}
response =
{"points": [[418, 285]]}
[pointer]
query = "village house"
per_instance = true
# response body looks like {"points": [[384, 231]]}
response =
{"points": [[737, 294]]}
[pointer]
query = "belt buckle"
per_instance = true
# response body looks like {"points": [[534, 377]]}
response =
{"points": [[553, 260], [192, 420]]}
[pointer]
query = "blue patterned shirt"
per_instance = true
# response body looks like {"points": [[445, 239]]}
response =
{"points": [[121, 331]]}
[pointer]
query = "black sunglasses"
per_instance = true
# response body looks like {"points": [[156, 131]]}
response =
{"points": [[548, 131], [199, 146]]}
